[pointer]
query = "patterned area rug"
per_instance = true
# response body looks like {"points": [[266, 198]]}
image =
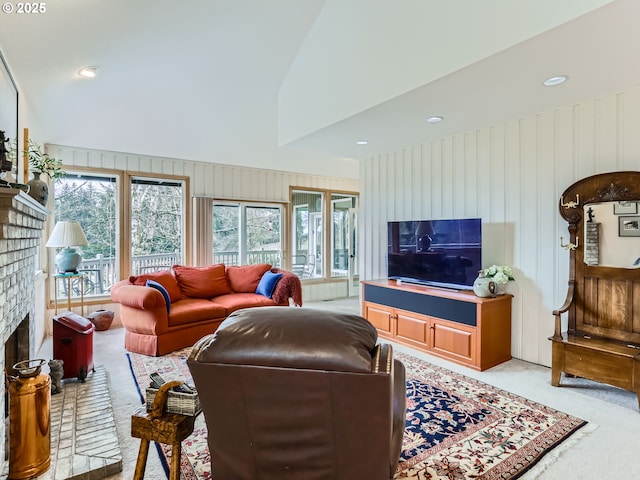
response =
{"points": [[457, 428]]}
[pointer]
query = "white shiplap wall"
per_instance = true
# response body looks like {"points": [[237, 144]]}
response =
{"points": [[207, 179], [511, 175], [218, 181]]}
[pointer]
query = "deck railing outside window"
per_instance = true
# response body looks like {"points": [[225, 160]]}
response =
{"points": [[100, 273]]}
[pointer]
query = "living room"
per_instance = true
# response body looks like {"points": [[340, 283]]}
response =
{"points": [[507, 166]]}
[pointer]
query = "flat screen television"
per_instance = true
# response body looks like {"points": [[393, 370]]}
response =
{"points": [[442, 253]]}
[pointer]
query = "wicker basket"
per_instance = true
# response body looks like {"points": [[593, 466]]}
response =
{"points": [[177, 402]]}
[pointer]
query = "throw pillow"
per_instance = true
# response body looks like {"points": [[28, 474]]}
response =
{"points": [[164, 278], [162, 290], [202, 282], [245, 278], [268, 283]]}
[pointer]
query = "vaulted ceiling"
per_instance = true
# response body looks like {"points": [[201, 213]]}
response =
{"points": [[269, 83]]}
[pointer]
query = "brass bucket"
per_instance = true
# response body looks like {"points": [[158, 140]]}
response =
{"points": [[29, 421]]}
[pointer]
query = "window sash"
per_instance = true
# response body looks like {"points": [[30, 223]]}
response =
{"points": [[239, 248]]}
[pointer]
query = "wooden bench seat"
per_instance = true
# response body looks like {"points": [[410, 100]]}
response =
{"points": [[600, 359]]}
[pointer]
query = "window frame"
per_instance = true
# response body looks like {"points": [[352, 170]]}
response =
{"points": [[123, 225], [243, 205], [327, 229], [333, 201], [186, 216]]}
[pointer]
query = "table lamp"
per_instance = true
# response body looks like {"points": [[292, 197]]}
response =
{"points": [[67, 235]]}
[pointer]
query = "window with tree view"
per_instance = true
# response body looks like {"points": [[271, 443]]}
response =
{"points": [[155, 208], [247, 233], [91, 201], [156, 224]]}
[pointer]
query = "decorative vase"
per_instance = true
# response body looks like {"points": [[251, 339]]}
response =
{"points": [[101, 319], [38, 189], [485, 286]]}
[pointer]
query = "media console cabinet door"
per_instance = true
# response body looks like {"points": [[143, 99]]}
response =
{"points": [[454, 341], [379, 317], [412, 328]]}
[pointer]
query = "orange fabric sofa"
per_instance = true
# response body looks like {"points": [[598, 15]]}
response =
{"points": [[192, 301]]}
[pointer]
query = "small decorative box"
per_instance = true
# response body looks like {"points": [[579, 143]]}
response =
{"points": [[177, 402]]}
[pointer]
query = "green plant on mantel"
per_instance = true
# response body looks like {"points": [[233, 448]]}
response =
{"points": [[44, 163], [39, 161]]}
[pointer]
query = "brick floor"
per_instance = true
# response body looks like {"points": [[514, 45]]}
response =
{"points": [[84, 441]]}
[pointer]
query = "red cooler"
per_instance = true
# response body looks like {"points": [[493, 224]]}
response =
{"points": [[73, 344]]}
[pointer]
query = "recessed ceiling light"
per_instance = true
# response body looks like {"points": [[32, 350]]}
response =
{"points": [[88, 72], [362, 142], [553, 81], [435, 119]]}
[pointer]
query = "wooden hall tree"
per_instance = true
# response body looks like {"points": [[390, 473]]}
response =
{"points": [[602, 342]]}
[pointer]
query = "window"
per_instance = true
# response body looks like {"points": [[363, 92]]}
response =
{"points": [[307, 234], [90, 200], [247, 233], [150, 214], [300, 234], [323, 222], [342, 233], [156, 224]]}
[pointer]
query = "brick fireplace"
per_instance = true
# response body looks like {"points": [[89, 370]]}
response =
{"points": [[22, 221]]}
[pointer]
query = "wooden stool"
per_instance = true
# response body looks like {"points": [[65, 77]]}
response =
{"points": [[162, 427]]}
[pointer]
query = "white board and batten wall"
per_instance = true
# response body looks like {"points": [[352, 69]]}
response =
{"points": [[218, 181], [511, 175]]}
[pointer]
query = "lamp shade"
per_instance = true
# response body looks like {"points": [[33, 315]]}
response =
{"points": [[67, 235]]}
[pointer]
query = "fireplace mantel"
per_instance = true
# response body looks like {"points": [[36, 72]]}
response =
{"points": [[10, 198]]}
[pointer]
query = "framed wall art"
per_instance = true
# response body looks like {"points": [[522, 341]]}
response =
{"points": [[625, 208], [629, 226]]}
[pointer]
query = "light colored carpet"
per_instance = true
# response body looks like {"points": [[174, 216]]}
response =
{"points": [[612, 450]]}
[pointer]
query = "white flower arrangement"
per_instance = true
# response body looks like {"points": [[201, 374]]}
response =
{"points": [[498, 273]]}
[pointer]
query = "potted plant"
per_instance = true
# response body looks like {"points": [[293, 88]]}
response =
{"points": [[501, 274], [41, 162], [491, 281]]}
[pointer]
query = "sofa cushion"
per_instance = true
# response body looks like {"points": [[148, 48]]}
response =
{"points": [[191, 310], [202, 282], [162, 290], [236, 301], [268, 283], [164, 278], [245, 278]]}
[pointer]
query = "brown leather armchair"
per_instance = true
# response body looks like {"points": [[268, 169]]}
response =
{"points": [[299, 394]]}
